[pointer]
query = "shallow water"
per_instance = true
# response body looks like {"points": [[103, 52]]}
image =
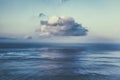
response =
{"points": [[76, 62]]}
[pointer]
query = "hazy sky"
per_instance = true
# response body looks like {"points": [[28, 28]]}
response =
{"points": [[100, 17]]}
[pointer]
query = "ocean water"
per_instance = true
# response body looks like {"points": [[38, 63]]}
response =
{"points": [[60, 62]]}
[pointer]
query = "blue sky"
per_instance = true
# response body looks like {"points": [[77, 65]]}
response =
{"points": [[100, 17]]}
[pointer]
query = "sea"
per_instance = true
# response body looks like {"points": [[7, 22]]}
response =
{"points": [[60, 61]]}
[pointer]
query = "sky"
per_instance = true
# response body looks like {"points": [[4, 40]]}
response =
{"points": [[100, 17]]}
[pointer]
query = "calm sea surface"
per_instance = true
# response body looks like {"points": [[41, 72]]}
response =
{"points": [[60, 62]]}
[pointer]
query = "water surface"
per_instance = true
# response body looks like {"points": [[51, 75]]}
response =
{"points": [[60, 62]]}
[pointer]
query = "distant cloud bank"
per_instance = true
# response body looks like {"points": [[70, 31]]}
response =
{"points": [[61, 26]]}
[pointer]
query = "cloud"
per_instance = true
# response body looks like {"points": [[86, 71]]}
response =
{"points": [[61, 26], [62, 1], [41, 15]]}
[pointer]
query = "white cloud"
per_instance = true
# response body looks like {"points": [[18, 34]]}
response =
{"points": [[61, 26]]}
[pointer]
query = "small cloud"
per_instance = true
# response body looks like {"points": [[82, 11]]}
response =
{"points": [[41, 15], [61, 26], [28, 37], [62, 1]]}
